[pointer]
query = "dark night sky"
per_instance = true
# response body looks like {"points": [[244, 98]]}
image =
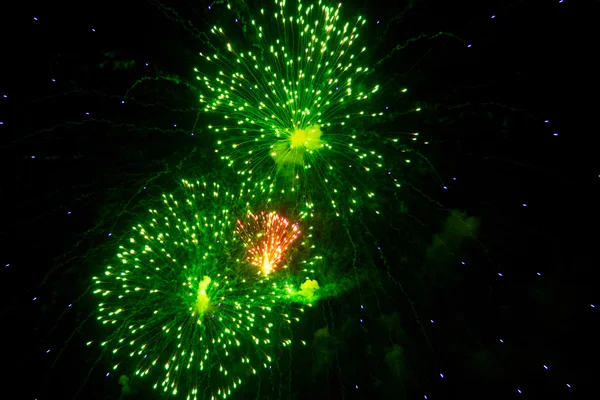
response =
{"points": [[68, 177]]}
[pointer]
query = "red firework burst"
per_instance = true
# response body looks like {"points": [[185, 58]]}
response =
{"points": [[267, 237]]}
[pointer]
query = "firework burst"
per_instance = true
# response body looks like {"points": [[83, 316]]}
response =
{"points": [[267, 237], [183, 304], [290, 98]]}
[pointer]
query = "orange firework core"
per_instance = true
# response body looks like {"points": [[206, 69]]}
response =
{"points": [[267, 237]]}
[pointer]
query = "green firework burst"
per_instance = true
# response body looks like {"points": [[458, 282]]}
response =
{"points": [[290, 99], [186, 309]]}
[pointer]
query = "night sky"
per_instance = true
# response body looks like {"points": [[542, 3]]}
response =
{"points": [[99, 115]]}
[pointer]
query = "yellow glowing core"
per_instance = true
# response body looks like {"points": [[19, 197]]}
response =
{"points": [[267, 265], [291, 151], [202, 301], [310, 138]]}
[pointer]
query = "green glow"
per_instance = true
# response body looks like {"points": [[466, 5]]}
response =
{"points": [[202, 300]]}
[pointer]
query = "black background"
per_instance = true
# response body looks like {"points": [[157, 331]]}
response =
{"points": [[483, 115]]}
